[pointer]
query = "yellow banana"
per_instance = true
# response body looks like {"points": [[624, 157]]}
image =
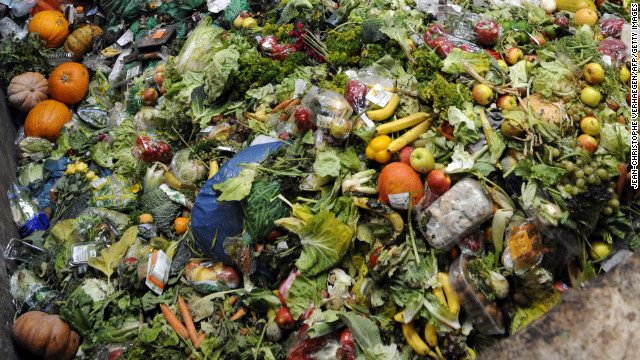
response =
{"points": [[383, 209], [403, 123], [452, 297], [399, 317], [391, 90], [414, 340], [213, 168], [437, 291], [386, 111], [431, 334], [411, 135]]}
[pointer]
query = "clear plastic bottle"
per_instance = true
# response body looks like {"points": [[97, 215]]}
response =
{"points": [[8, 27], [81, 17], [25, 212]]}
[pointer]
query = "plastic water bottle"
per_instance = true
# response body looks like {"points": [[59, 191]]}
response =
{"points": [[8, 27], [20, 8], [25, 212]]}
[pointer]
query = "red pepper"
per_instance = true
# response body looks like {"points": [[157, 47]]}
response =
{"points": [[495, 54], [163, 152], [283, 290], [434, 32], [466, 48], [145, 148], [443, 46], [487, 32], [373, 258], [347, 344], [436, 29]]}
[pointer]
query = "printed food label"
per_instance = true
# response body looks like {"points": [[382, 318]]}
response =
{"points": [[379, 96], [367, 121]]}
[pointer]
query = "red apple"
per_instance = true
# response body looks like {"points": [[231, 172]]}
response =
{"points": [[507, 102], [447, 128], [629, 99], [149, 97], [405, 155], [538, 40], [438, 181], [482, 94], [159, 78], [585, 16], [237, 22], [513, 56], [588, 142], [593, 73], [422, 160]]}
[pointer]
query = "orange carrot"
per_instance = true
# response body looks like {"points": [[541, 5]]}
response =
{"points": [[240, 313], [232, 300], [174, 322], [281, 106], [294, 102], [447, 136], [622, 180], [199, 341], [188, 321]]}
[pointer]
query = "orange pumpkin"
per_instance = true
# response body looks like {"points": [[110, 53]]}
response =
{"points": [[27, 89], [45, 120], [51, 26], [81, 40], [46, 336], [399, 178], [69, 83]]}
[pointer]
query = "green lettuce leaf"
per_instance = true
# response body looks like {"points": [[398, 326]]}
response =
{"points": [[327, 162], [553, 78], [223, 64], [111, 256], [518, 74], [199, 49], [547, 175], [452, 63], [399, 34], [102, 154], [303, 292], [237, 188], [615, 139], [325, 240]]}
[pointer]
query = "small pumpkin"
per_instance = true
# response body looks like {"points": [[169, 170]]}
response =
{"points": [[51, 26], [27, 90], [69, 83], [80, 41], [46, 335], [45, 120]]}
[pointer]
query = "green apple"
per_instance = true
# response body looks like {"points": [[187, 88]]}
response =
{"points": [[590, 125], [237, 22], [513, 56], [482, 94], [249, 23], [599, 250], [593, 73], [625, 74], [590, 96], [422, 160]]}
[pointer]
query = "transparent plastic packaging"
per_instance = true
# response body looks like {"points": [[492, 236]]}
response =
{"points": [[207, 277], [611, 25], [524, 248], [330, 111], [455, 214], [485, 313], [187, 170], [29, 292]]}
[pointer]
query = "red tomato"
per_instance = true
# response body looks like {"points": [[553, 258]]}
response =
{"points": [[349, 347], [284, 318]]}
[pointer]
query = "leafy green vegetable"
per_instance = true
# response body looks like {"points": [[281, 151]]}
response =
{"points": [[547, 175], [102, 154], [77, 311], [543, 301], [615, 139], [324, 240], [399, 34], [453, 62], [111, 256], [303, 293], [237, 188], [219, 71], [199, 49], [327, 162], [553, 78], [443, 94], [18, 56]]}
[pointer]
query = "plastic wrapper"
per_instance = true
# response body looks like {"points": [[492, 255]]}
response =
{"points": [[29, 292], [355, 93], [33, 148], [145, 120], [25, 212], [158, 268], [614, 49], [208, 277], [304, 347], [485, 313], [270, 48], [524, 248], [455, 214], [187, 170], [116, 220], [18, 250], [31, 175], [149, 149], [330, 111], [100, 98], [115, 192], [460, 24], [611, 25]]}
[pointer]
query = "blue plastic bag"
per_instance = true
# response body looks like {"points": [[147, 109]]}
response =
{"points": [[212, 220]]}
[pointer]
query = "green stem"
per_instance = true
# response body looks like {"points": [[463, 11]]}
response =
{"points": [[570, 155]]}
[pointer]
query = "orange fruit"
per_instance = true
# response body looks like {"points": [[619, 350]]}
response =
{"points": [[398, 178], [181, 224], [146, 218]]}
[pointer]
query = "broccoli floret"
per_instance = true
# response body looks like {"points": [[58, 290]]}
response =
{"points": [[428, 63], [345, 47], [295, 60], [281, 33], [375, 52], [255, 70], [337, 84], [443, 94]]}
